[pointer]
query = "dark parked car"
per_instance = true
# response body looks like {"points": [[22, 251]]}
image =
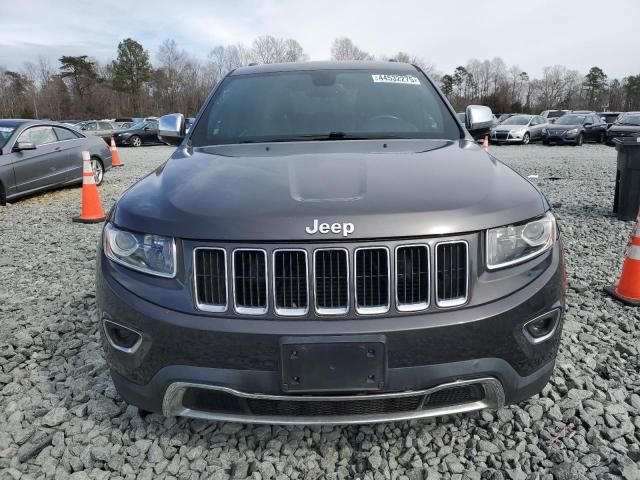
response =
{"points": [[142, 133], [518, 129], [627, 126], [37, 156], [329, 245], [576, 128], [609, 117]]}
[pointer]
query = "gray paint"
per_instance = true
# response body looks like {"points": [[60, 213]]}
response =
{"points": [[393, 188], [48, 166]]}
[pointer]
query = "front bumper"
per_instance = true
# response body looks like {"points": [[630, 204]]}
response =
{"points": [[547, 138], [123, 141], [239, 359], [509, 138]]}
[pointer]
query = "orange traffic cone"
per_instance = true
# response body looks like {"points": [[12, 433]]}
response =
{"points": [[115, 156], [628, 289], [91, 207], [485, 143]]}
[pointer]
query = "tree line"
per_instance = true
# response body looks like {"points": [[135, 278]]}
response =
{"points": [[80, 87]]}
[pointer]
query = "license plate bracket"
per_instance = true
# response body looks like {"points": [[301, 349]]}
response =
{"points": [[333, 364]]}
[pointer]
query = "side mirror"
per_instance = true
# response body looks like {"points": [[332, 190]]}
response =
{"points": [[171, 128], [146, 128], [588, 124], [478, 117], [20, 146]]}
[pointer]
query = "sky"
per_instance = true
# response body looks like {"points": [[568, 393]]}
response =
{"points": [[531, 34]]}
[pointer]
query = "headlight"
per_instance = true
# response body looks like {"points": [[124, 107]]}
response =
{"points": [[544, 130], [572, 131], [516, 133], [518, 243], [153, 254]]}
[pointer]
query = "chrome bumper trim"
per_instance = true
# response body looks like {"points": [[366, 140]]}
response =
{"points": [[494, 398]]}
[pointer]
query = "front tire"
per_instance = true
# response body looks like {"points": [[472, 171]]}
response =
{"points": [[579, 140], [526, 139], [136, 141], [603, 138], [98, 170]]}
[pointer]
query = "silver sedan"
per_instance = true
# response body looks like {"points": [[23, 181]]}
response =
{"points": [[518, 129]]}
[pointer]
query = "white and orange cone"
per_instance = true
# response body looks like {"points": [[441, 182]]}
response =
{"points": [[485, 143], [115, 156], [92, 211], [628, 288]]}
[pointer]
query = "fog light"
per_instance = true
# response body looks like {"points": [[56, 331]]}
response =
{"points": [[543, 327], [122, 338]]}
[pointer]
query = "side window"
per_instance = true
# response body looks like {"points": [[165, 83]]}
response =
{"points": [[91, 126], [534, 121], [64, 134], [540, 120], [105, 126], [38, 136]]}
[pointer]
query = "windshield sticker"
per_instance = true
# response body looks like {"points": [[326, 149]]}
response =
{"points": [[404, 79]]}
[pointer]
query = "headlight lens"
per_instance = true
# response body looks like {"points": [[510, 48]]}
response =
{"points": [[544, 130], [572, 131], [152, 254], [518, 243]]}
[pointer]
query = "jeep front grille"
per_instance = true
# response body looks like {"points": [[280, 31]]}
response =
{"points": [[250, 281], [372, 280], [452, 270], [331, 275], [412, 277], [210, 267], [290, 282], [303, 279]]}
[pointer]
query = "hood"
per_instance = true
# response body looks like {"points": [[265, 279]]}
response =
{"points": [[508, 128], [624, 128], [555, 126], [272, 192]]}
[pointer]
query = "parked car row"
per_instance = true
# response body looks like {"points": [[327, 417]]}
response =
{"points": [[565, 127], [133, 132]]}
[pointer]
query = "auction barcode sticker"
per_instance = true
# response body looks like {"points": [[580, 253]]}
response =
{"points": [[404, 79]]}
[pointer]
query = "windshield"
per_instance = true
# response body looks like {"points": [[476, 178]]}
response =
{"points": [[571, 120], [517, 120], [5, 133], [324, 104], [555, 114], [629, 119]]}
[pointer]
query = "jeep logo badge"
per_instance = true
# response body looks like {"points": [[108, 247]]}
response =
{"points": [[324, 228]]}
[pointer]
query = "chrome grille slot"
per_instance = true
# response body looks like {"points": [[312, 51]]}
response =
{"points": [[290, 282], [331, 278], [250, 281], [372, 280], [412, 277], [210, 271], [452, 273]]}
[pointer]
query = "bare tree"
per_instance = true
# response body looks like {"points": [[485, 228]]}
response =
{"points": [[344, 49]]}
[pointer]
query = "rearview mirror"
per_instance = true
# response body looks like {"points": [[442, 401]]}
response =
{"points": [[478, 117], [171, 128], [20, 146]]}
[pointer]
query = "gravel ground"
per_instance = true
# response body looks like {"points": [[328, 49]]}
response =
{"points": [[60, 416]]}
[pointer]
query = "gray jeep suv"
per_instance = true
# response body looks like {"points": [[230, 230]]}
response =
{"points": [[329, 245]]}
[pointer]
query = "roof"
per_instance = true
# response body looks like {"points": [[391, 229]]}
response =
{"points": [[309, 66]]}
